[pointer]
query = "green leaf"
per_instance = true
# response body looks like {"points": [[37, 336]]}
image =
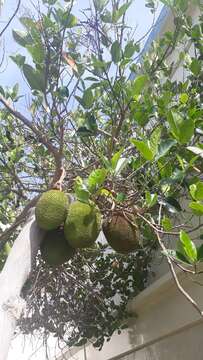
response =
{"points": [[37, 53], [197, 208], [117, 14], [91, 122], [2, 92], [181, 128], [96, 179], [196, 190], [115, 158], [200, 253], [184, 98], [143, 148], [193, 189], [155, 140], [106, 17], [28, 22], [83, 131], [22, 38], [121, 164], [164, 147], [100, 4], [172, 204], [150, 199], [196, 150], [180, 256], [166, 223], [35, 78], [18, 59], [195, 67], [87, 99], [130, 49], [116, 52], [63, 91], [81, 190], [188, 247], [139, 84], [71, 21]]}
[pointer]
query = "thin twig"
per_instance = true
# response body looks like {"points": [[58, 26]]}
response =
{"points": [[179, 286], [11, 19]]}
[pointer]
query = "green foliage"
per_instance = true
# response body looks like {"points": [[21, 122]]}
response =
{"points": [[129, 137], [187, 247], [116, 52], [181, 128], [35, 78]]}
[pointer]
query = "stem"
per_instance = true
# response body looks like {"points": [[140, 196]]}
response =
{"points": [[179, 286], [11, 19]]}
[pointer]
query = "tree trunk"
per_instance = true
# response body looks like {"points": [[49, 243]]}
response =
{"points": [[12, 278]]}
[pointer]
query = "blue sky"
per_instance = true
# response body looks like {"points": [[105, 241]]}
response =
{"points": [[139, 17]]}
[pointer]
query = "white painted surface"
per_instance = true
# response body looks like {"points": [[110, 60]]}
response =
{"points": [[164, 320], [12, 278]]}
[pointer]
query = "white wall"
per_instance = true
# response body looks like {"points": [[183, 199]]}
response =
{"points": [[164, 321]]}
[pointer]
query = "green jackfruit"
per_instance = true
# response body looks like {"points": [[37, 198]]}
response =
{"points": [[82, 225], [55, 250], [121, 235], [51, 209]]}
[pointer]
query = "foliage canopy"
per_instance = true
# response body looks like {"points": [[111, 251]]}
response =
{"points": [[129, 137]]}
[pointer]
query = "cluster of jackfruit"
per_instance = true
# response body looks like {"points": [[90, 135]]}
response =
{"points": [[70, 226]]}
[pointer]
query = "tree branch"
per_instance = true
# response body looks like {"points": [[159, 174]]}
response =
{"points": [[179, 286], [11, 19], [18, 221], [43, 139]]}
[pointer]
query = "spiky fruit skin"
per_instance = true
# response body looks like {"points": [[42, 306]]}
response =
{"points": [[55, 250], [121, 235], [51, 209], [82, 225]]}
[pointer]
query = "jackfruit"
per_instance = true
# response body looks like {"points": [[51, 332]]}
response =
{"points": [[51, 209], [82, 225], [55, 250], [121, 235]]}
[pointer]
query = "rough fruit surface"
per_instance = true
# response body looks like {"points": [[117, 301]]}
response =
{"points": [[54, 248], [51, 209], [82, 225], [121, 235]]}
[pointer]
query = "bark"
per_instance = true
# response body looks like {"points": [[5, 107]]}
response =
{"points": [[12, 278]]}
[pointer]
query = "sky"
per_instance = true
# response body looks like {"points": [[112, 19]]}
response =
{"points": [[23, 348]]}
